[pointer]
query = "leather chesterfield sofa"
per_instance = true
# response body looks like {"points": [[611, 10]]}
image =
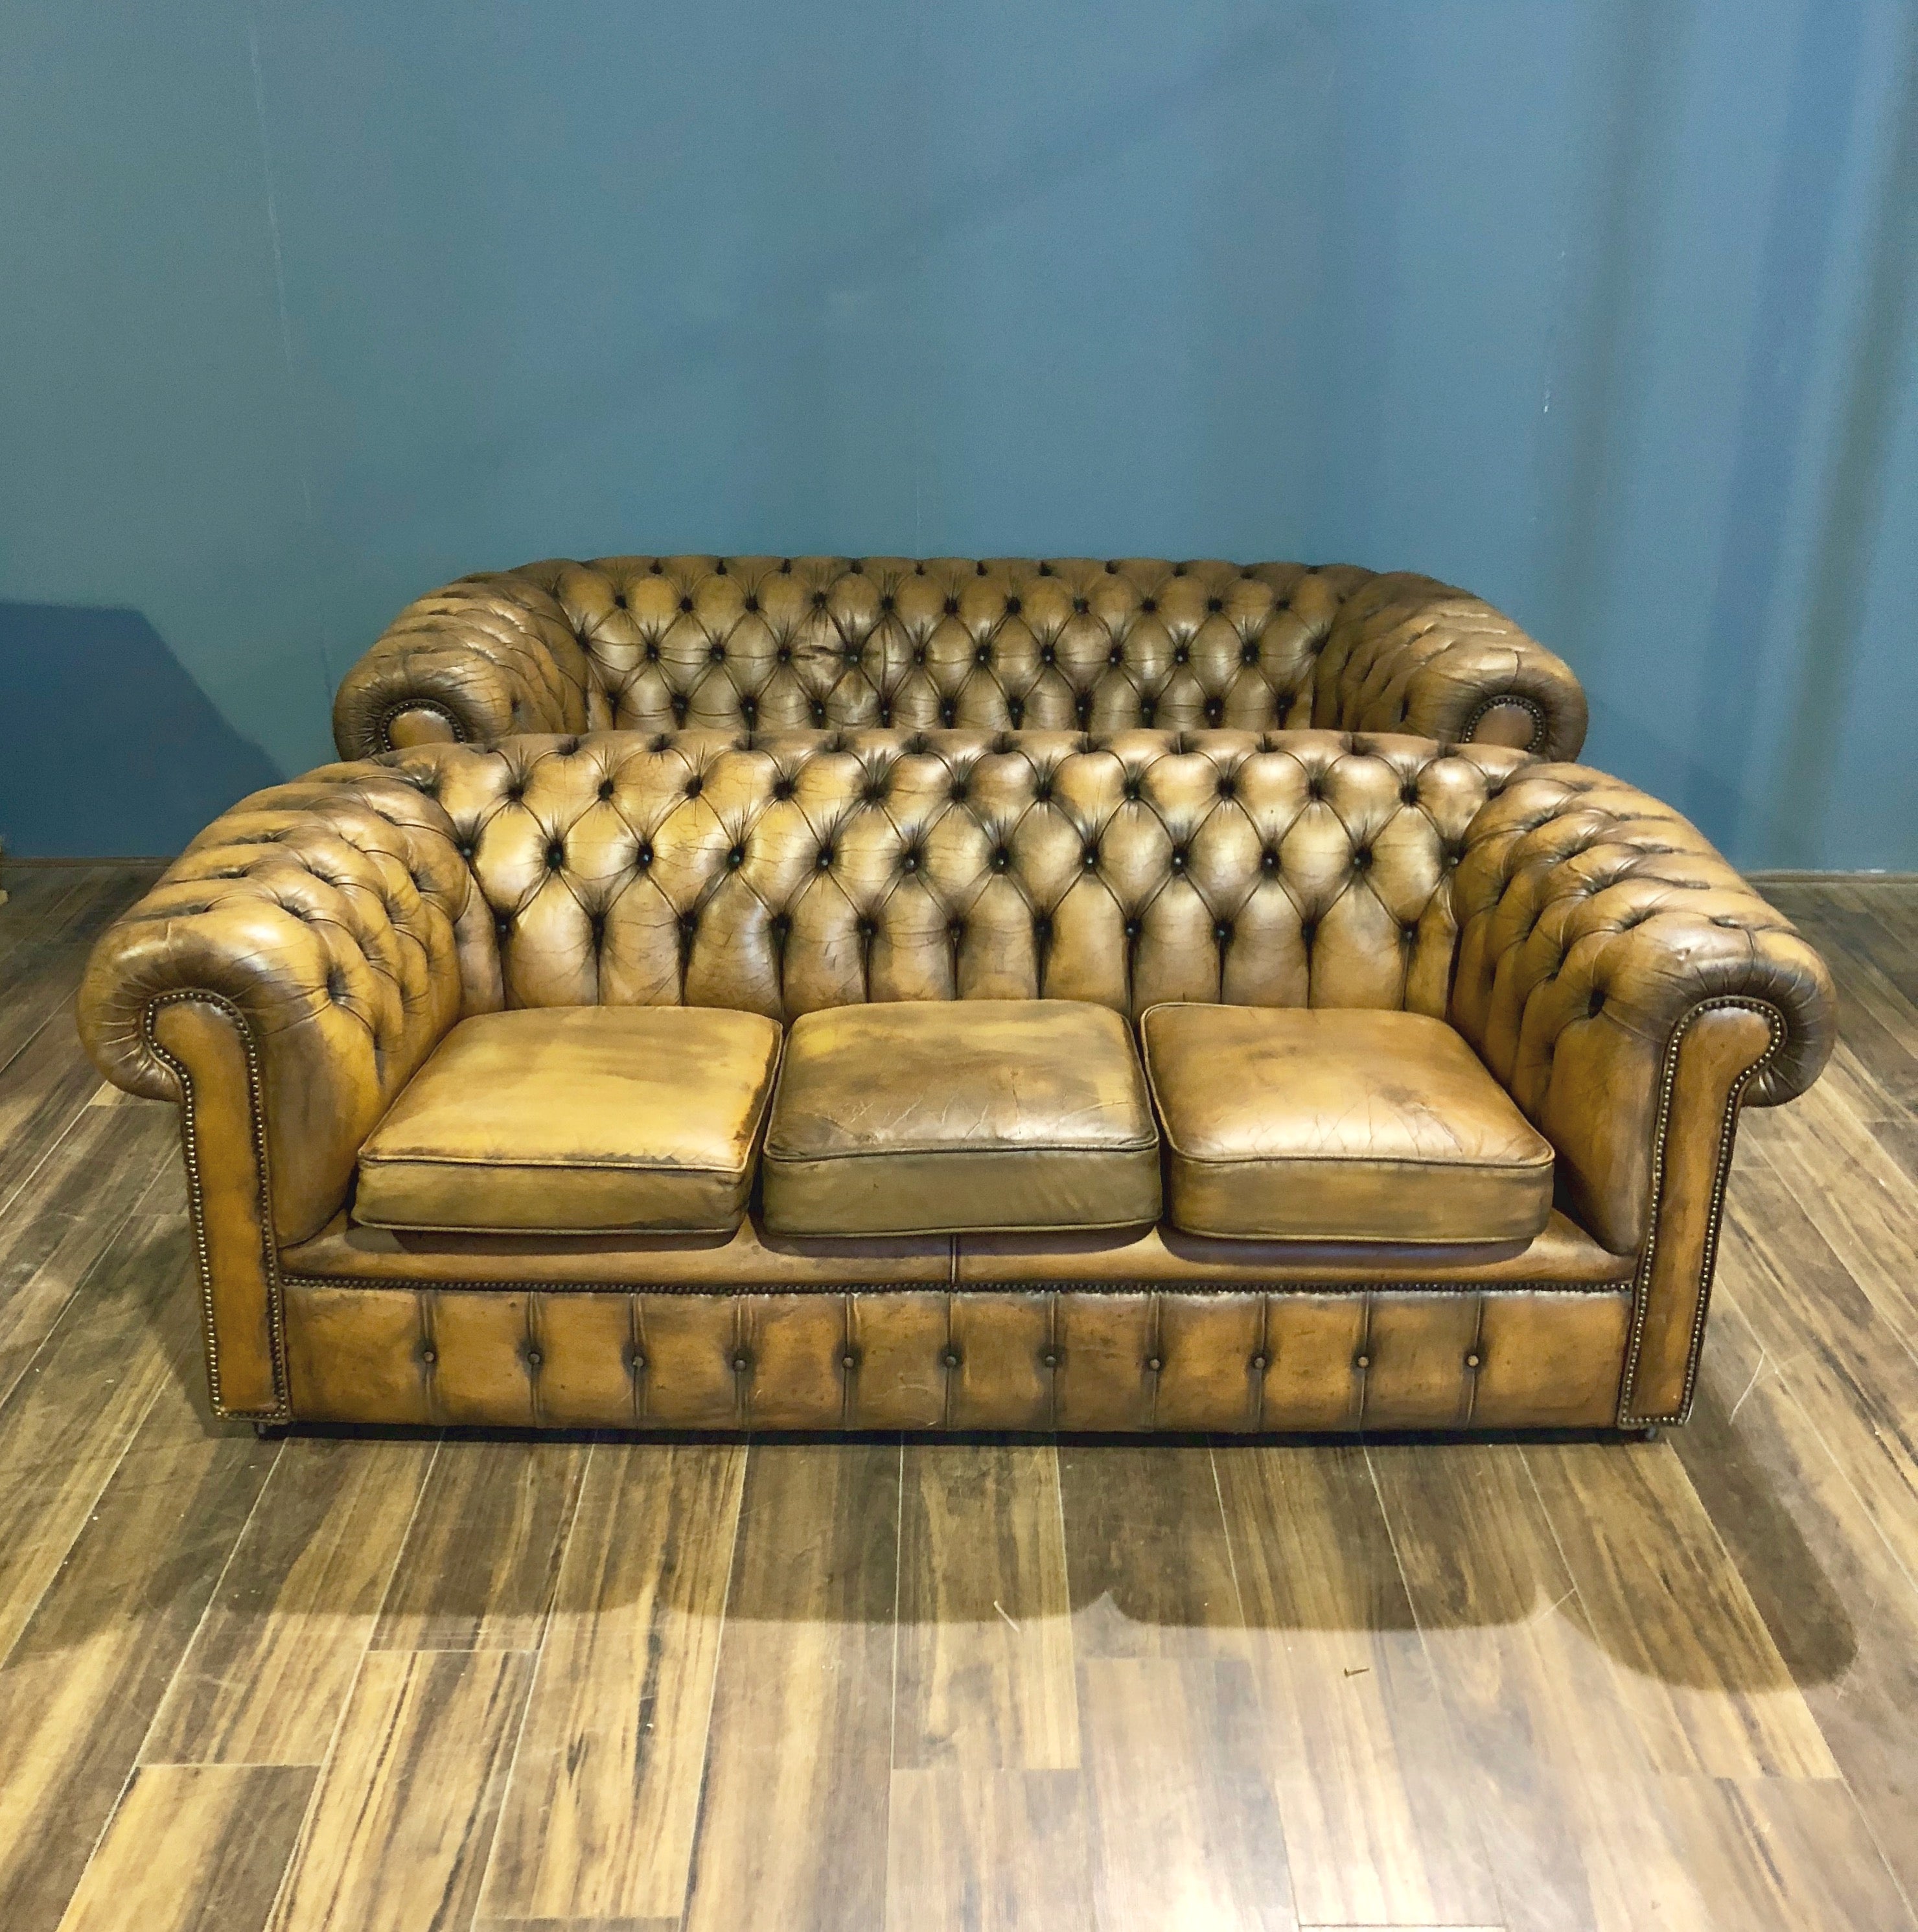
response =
{"points": [[763, 643], [1226, 1081]]}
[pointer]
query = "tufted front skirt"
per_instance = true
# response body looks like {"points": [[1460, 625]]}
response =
{"points": [[1065, 1357]]}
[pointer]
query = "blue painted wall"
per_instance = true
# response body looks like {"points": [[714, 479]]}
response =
{"points": [[1608, 309]]}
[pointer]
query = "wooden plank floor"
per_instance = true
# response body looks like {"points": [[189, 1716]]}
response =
{"points": [[572, 1686]]}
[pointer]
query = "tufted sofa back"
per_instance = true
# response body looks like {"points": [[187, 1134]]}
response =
{"points": [[824, 869], [773, 643]]}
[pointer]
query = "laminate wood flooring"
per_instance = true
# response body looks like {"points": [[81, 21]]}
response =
{"points": [[477, 1683]]}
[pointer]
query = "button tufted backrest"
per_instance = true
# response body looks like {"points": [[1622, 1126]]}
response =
{"points": [[823, 868], [1070, 643]]}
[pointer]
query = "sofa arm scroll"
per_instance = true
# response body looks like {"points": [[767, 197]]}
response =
{"points": [[1632, 993], [282, 982], [474, 660], [1407, 653]]}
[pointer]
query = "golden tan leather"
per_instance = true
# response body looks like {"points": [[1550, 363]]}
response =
{"points": [[205, 1041], [1331, 1124], [576, 1120], [936, 1117], [918, 1359], [741, 644], [1574, 930], [1709, 1064], [1563, 1255], [1592, 921]]}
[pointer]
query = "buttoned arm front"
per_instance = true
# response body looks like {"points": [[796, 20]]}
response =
{"points": [[282, 982], [1631, 992], [475, 660], [1408, 654]]}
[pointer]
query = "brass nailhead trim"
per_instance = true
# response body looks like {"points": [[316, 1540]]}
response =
{"points": [[1727, 1129], [1540, 729], [282, 1411], [382, 740]]}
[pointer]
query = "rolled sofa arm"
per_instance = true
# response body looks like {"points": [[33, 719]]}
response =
{"points": [[282, 982], [1632, 992], [488, 655], [1407, 653]]}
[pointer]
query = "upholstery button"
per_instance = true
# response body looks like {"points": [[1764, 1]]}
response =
{"points": [[533, 1358], [740, 1363], [1258, 1361], [951, 1359], [1079, 604], [638, 1362], [1012, 606], [1471, 1361], [1214, 603], [685, 603], [952, 607], [1182, 656], [1153, 1363], [848, 1361], [1115, 655], [1050, 1358], [1363, 1362], [752, 603], [429, 1356], [1149, 603]]}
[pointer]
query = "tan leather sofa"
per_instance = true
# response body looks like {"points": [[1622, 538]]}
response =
{"points": [[766, 643], [1302, 1081]]}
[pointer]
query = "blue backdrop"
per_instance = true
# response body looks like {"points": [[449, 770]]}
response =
{"points": [[1606, 309]]}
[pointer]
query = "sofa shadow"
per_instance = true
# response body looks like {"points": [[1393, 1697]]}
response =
{"points": [[1671, 1642], [108, 747]]}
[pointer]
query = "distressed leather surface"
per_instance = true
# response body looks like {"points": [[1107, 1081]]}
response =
{"points": [[1063, 1357], [575, 1120], [751, 644], [327, 933], [1338, 1125], [947, 1116], [345, 1250]]}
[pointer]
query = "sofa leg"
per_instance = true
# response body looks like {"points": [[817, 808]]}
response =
{"points": [[271, 1431], [1649, 1433]]}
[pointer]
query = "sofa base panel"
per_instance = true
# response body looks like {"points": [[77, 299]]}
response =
{"points": [[1065, 1358]]}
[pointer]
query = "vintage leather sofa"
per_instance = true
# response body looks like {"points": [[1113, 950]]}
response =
{"points": [[656, 643], [686, 1080]]}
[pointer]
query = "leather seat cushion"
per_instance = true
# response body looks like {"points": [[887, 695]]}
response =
{"points": [[1341, 1125], [947, 1116], [575, 1120]]}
